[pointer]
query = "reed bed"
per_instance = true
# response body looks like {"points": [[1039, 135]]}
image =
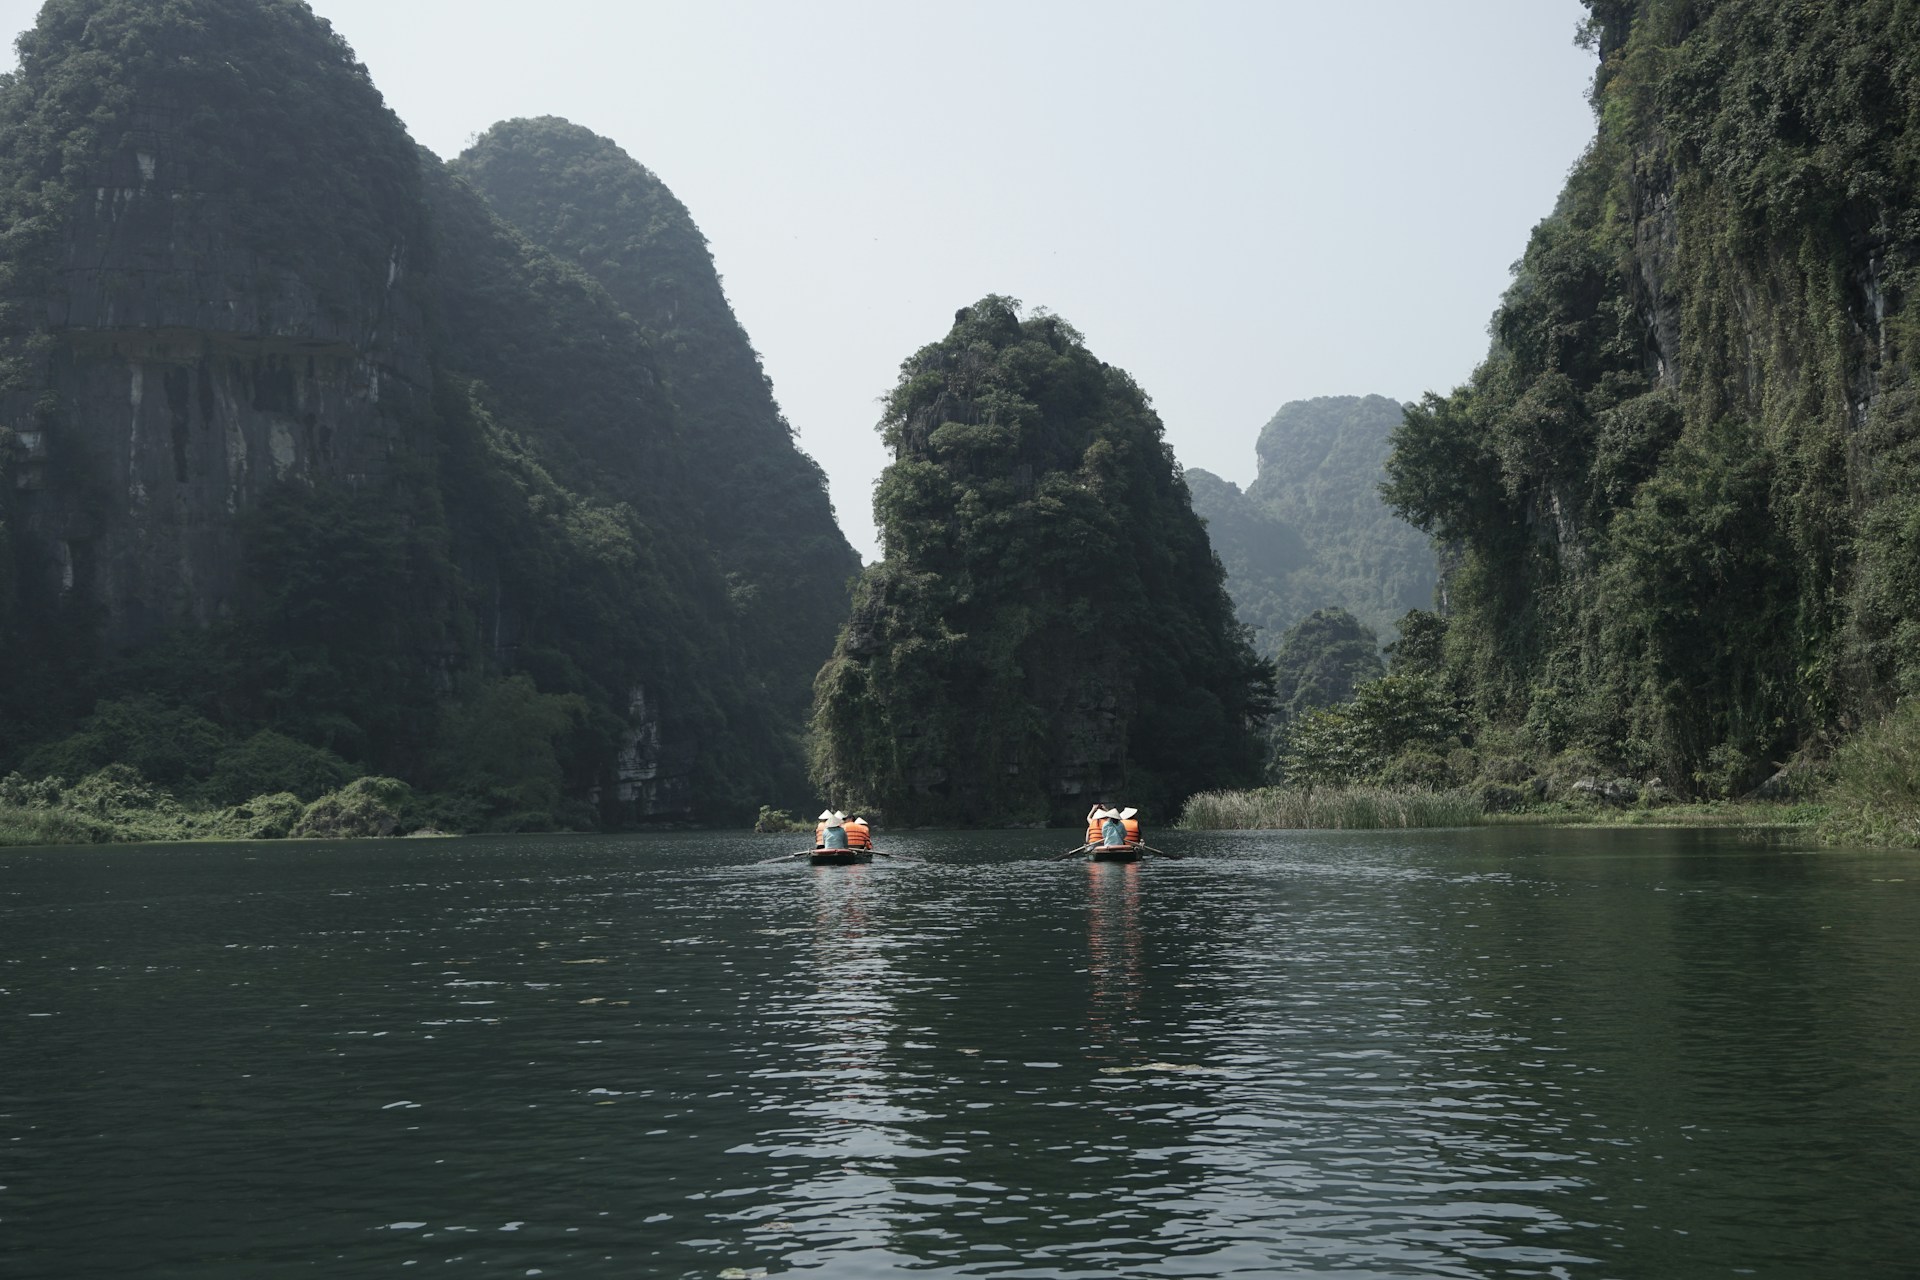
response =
{"points": [[1332, 808]]}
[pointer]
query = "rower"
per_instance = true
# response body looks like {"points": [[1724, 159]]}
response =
{"points": [[1113, 831]]}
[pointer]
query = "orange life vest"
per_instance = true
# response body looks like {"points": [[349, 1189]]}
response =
{"points": [[1133, 829], [1093, 831], [859, 836]]}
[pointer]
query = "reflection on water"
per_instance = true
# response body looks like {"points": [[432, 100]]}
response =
{"points": [[1466, 1054], [1113, 952]]}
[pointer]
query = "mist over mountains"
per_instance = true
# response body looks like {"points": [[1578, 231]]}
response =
{"points": [[1312, 531]]}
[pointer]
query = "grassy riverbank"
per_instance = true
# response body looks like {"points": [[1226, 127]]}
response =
{"points": [[1831, 820], [1867, 793], [1378, 808], [1336, 808]]}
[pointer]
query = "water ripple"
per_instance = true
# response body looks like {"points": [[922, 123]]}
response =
{"points": [[1463, 1054]]}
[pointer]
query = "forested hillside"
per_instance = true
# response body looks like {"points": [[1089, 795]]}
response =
{"points": [[1684, 486], [1312, 532], [315, 467], [1049, 624], [762, 503]]}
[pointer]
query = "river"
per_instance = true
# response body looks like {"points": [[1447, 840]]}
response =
{"points": [[1509, 1052]]}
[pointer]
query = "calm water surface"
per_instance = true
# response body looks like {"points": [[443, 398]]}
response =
{"points": [[1472, 1054]]}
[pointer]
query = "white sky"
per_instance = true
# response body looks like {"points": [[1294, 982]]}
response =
{"points": [[1240, 202]]}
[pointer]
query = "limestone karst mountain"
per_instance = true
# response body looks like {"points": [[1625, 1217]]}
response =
{"points": [[1048, 625], [1312, 530], [298, 435], [1685, 483]]}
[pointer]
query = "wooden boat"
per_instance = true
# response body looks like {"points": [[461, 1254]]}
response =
{"points": [[840, 857], [1114, 853]]}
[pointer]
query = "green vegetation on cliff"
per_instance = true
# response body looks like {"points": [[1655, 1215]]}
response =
{"points": [[1049, 624], [581, 198], [406, 494], [1684, 487], [1322, 659], [1311, 531]]}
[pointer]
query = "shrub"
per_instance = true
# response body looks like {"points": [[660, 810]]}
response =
{"points": [[270, 763], [1506, 769], [167, 745], [778, 822], [18, 792], [1876, 783], [1498, 798], [1418, 767], [364, 807], [266, 817]]}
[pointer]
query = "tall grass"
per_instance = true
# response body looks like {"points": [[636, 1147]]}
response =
{"points": [[45, 826], [1337, 808], [1875, 790]]}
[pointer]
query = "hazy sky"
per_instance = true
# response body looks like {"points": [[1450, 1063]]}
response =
{"points": [[1240, 203]]}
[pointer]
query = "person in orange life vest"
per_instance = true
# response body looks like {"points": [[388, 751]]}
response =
{"points": [[859, 835], [1131, 825], [1093, 825]]}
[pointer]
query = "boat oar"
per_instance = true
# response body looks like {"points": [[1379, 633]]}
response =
{"points": [[1071, 852], [786, 857]]}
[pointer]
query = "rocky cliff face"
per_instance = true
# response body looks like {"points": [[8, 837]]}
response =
{"points": [[185, 366], [297, 432], [583, 199], [1680, 487], [1311, 531]]}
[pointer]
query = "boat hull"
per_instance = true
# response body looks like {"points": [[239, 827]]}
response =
{"points": [[1119, 853], [840, 857]]}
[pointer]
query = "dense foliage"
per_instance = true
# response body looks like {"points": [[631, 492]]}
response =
{"points": [[580, 520], [524, 600], [763, 506], [118, 803], [1311, 531], [1684, 487], [1322, 659], [1395, 730], [1049, 622]]}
